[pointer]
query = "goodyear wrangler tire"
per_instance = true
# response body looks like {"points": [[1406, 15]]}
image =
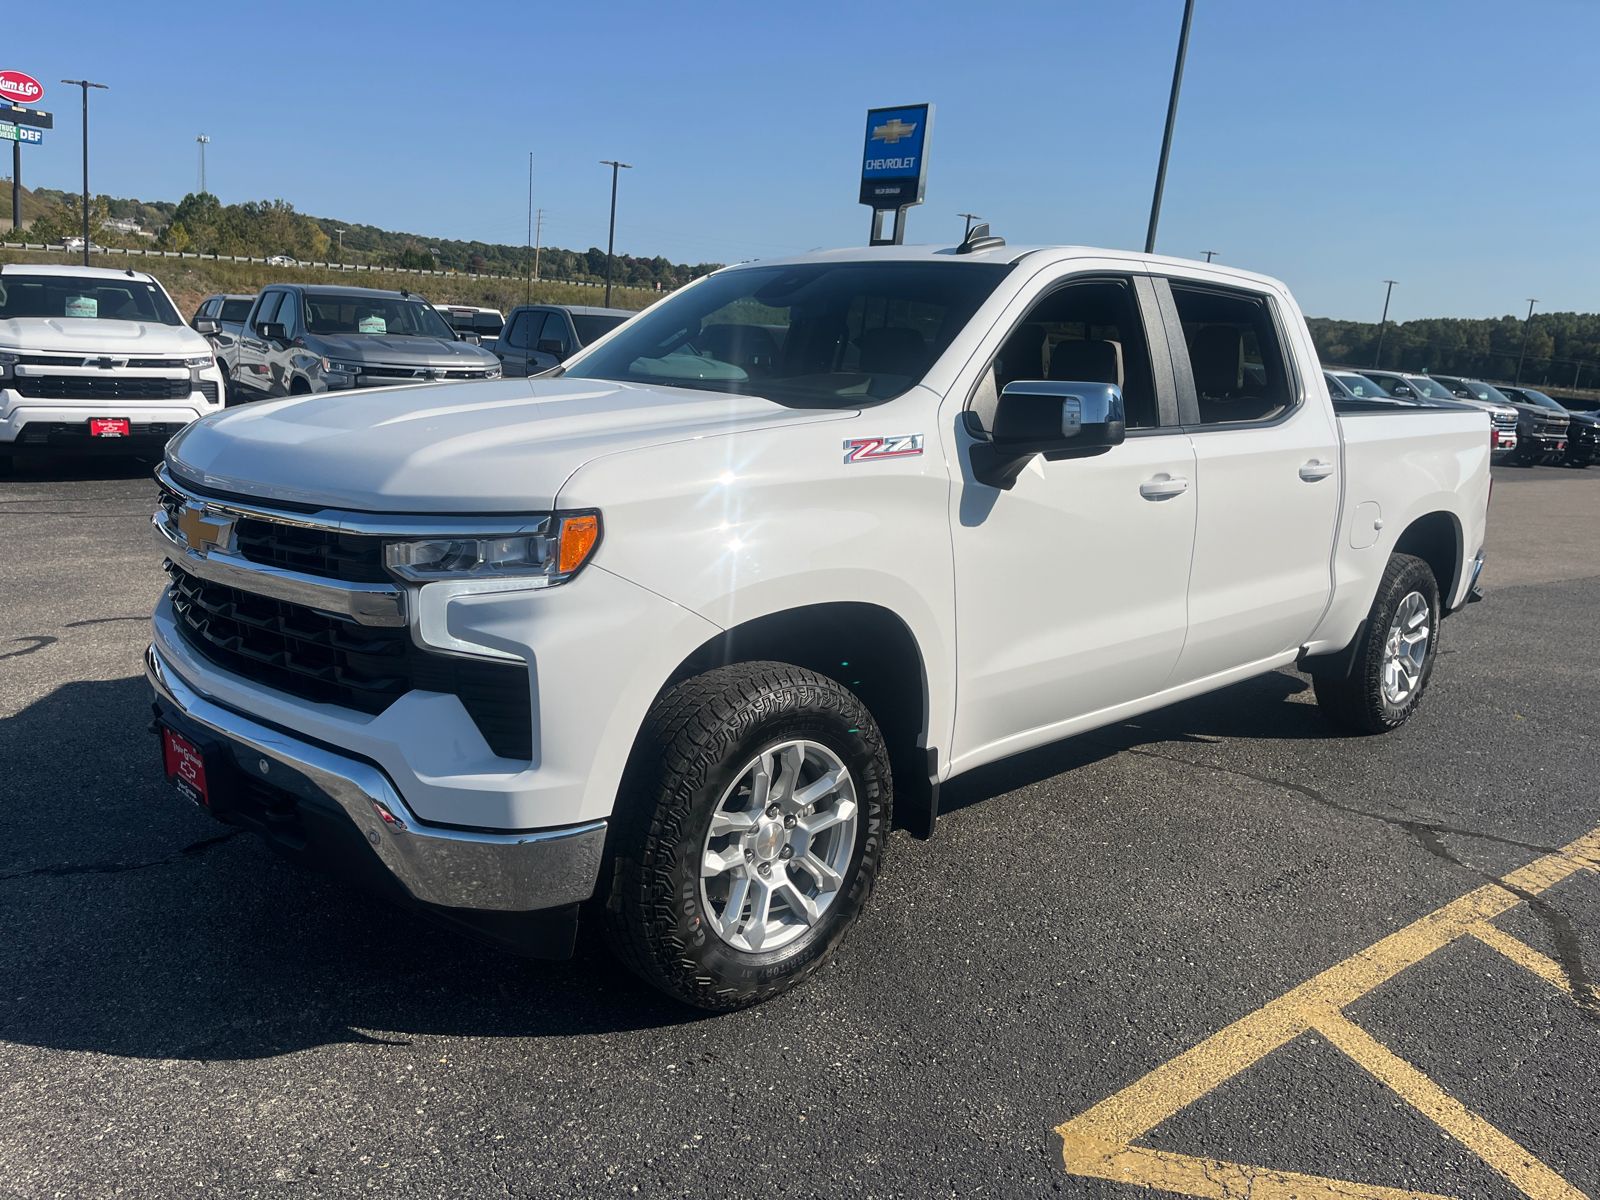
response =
{"points": [[1396, 657], [750, 833]]}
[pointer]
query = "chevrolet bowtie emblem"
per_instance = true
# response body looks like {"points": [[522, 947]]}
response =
{"points": [[201, 531], [893, 131]]}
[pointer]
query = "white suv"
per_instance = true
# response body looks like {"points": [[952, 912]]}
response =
{"points": [[96, 360]]}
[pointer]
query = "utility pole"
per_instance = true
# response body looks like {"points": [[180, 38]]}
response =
{"points": [[527, 291], [611, 238], [1210, 254], [538, 236], [971, 217], [1527, 321], [1383, 324], [1172, 116], [85, 85], [203, 140]]}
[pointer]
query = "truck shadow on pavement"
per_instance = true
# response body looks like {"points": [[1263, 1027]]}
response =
{"points": [[81, 467], [135, 925]]}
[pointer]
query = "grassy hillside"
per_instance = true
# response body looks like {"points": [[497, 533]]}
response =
{"points": [[32, 206], [192, 280]]}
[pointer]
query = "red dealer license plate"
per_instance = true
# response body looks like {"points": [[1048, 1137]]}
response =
{"points": [[185, 767], [108, 427]]}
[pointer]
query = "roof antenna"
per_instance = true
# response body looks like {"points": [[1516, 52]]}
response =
{"points": [[978, 238]]}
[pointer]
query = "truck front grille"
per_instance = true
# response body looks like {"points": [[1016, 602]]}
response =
{"points": [[356, 558], [102, 387], [328, 659]]}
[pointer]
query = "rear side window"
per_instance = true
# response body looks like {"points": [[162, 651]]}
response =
{"points": [[236, 310], [1234, 355]]}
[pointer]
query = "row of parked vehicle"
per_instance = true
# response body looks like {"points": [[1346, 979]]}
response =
{"points": [[297, 339], [1528, 427]]}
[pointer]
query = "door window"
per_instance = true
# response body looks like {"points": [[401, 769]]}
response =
{"points": [[1085, 332], [269, 309], [517, 336], [1237, 363], [554, 331]]}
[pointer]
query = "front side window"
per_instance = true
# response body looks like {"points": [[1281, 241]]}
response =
{"points": [[1237, 364], [1086, 332], [376, 316], [816, 335], [77, 298], [268, 312], [552, 337]]}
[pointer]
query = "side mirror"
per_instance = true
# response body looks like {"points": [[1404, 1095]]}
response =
{"points": [[471, 338], [552, 346], [207, 325], [273, 331], [1058, 420]]}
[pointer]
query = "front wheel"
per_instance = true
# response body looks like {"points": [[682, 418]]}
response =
{"points": [[750, 833], [1396, 656]]}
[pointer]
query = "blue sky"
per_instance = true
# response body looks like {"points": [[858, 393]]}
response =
{"points": [[1449, 146]]}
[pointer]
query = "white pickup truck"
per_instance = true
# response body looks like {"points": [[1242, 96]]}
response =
{"points": [[666, 634], [96, 361]]}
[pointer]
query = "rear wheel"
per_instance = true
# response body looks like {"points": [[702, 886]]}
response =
{"points": [[1396, 656], [751, 833]]}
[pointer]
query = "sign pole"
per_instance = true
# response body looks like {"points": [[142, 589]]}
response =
{"points": [[1172, 117], [16, 185]]}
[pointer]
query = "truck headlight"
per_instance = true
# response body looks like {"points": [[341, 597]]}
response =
{"points": [[203, 360], [346, 368], [538, 559]]}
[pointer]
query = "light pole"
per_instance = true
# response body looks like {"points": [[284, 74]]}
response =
{"points": [[202, 140], [1172, 116], [85, 85], [1210, 254], [1527, 321], [1383, 324], [611, 237]]}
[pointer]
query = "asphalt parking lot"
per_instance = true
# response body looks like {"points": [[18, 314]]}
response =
{"points": [[1223, 951]]}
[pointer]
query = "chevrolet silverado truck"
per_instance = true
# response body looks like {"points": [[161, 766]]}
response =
{"points": [[666, 638], [96, 361]]}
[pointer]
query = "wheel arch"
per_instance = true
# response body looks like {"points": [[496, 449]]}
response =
{"points": [[1436, 538], [865, 647]]}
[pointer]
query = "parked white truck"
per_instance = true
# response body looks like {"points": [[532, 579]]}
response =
{"points": [[96, 361], [668, 633]]}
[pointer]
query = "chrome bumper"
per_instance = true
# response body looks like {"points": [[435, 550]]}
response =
{"points": [[501, 872]]}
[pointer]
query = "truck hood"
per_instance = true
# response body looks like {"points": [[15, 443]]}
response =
{"points": [[451, 448], [77, 335], [399, 351]]}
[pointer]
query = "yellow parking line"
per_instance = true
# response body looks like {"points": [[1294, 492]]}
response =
{"points": [[1523, 955], [1098, 1142], [1519, 1168]]}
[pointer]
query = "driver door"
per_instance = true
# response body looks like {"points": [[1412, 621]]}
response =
{"points": [[1071, 586], [252, 372]]}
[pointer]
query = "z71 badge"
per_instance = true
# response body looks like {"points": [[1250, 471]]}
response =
{"points": [[870, 448]]}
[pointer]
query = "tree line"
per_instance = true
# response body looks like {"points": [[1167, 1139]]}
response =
{"points": [[1562, 349], [259, 229]]}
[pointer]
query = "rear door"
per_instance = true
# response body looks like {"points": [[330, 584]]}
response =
{"points": [[1266, 477]]}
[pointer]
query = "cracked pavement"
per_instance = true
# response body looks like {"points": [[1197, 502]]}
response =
{"points": [[183, 1012]]}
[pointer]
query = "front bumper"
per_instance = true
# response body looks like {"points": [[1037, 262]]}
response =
{"points": [[64, 424], [450, 871]]}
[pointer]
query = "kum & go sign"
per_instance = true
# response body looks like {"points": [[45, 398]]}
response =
{"points": [[14, 85]]}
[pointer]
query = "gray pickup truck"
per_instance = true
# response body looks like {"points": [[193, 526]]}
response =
{"points": [[538, 337], [304, 338]]}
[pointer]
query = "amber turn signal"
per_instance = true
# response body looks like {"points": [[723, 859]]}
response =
{"points": [[578, 538]]}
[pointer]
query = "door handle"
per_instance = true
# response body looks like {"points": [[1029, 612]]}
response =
{"points": [[1315, 470], [1163, 487]]}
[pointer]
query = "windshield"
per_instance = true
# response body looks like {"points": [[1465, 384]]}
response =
{"points": [[592, 328], [236, 310], [1482, 391], [69, 296], [1532, 397], [374, 315], [1430, 388], [818, 335], [1360, 385]]}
